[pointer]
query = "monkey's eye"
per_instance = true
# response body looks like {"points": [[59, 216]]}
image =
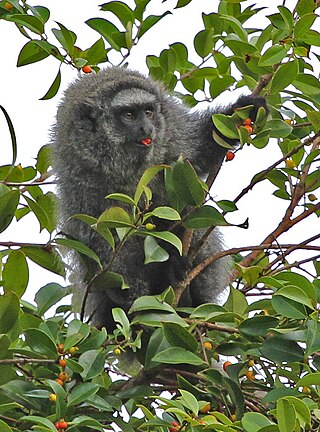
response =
{"points": [[128, 115], [149, 112]]}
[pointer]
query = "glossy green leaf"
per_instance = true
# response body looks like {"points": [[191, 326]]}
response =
{"points": [[40, 342], [106, 29], [9, 311], [81, 393], [120, 10], [281, 350], [307, 84], [178, 336], [49, 295], [186, 183], [53, 89], [78, 247], [166, 213], [150, 21], [168, 237], [254, 422], [275, 54], [285, 74], [177, 355], [66, 37], [41, 421], [303, 25], [145, 179], [9, 200], [92, 362], [225, 125], [153, 251], [31, 52], [30, 22], [205, 217], [16, 273], [48, 259]]}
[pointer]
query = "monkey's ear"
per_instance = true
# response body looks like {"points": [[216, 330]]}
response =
{"points": [[88, 113]]}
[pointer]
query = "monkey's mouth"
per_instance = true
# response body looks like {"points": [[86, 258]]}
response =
{"points": [[146, 142]]}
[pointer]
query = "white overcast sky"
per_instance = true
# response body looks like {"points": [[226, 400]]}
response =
{"points": [[22, 87]]}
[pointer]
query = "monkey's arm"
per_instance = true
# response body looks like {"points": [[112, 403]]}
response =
{"points": [[195, 139]]}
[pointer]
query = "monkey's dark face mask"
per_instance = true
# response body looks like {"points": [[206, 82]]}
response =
{"points": [[136, 116]]}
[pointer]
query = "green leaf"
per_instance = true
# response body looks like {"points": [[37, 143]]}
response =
{"points": [[254, 422], [288, 308], [107, 30], [178, 336], [9, 200], [48, 259], [109, 280], [311, 379], [204, 42], [286, 416], [285, 74], [296, 294], [4, 427], [220, 84], [168, 237], [145, 179], [92, 362], [281, 350], [16, 273], [122, 197], [186, 183], [150, 303], [165, 213], [225, 125], [44, 158], [153, 252], [49, 295], [9, 311], [66, 37], [13, 142], [32, 52], [189, 401], [53, 90], [41, 421], [205, 217], [303, 25], [115, 217], [278, 128], [78, 247], [40, 342], [31, 22], [120, 317], [178, 355], [81, 393], [120, 10], [259, 325], [275, 54], [150, 21], [314, 117], [307, 84]]}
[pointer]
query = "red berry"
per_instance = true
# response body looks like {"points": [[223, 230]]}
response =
{"points": [[63, 424], [230, 155], [226, 364], [87, 69], [60, 348], [62, 362], [247, 122], [249, 129]]}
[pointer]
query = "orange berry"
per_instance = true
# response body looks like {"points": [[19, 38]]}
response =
{"points": [[63, 425], [63, 362], [250, 362], [250, 375], [63, 376], [312, 197], [226, 364], [306, 390], [175, 427], [229, 155], [59, 381], [207, 345], [249, 128], [8, 6], [247, 122], [206, 407], [60, 348], [57, 425], [289, 121], [87, 69]]}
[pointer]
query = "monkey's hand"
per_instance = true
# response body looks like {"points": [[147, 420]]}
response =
{"points": [[237, 122]]}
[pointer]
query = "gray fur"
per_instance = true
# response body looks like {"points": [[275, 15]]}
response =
{"points": [[94, 157]]}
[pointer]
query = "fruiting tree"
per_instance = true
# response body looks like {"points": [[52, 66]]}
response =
{"points": [[160, 368]]}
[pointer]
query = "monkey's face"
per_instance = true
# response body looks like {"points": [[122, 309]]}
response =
{"points": [[136, 115]]}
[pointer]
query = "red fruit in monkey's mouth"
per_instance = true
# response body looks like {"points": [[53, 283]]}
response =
{"points": [[146, 141]]}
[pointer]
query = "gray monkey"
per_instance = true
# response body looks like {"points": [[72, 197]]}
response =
{"points": [[110, 128]]}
